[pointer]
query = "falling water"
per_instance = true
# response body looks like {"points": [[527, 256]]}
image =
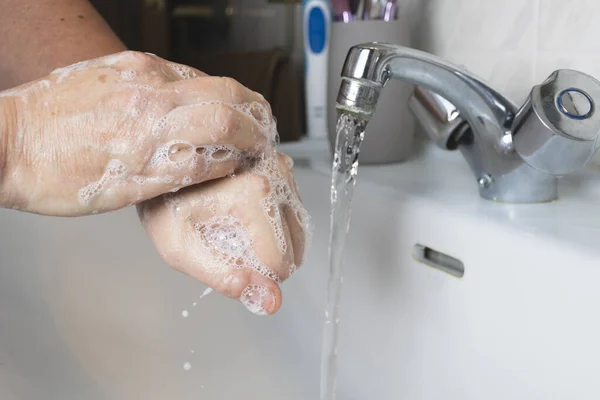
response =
{"points": [[350, 131]]}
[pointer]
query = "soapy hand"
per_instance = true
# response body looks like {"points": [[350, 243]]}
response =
{"points": [[117, 130], [241, 235], [126, 129]]}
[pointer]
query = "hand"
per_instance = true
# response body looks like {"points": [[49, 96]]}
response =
{"points": [[117, 130], [241, 235]]}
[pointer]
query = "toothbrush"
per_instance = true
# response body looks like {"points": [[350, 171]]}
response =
{"points": [[317, 26]]}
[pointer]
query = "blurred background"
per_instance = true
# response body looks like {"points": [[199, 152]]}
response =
{"points": [[257, 42]]}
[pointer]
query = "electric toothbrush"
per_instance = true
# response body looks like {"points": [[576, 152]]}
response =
{"points": [[317, 29]]}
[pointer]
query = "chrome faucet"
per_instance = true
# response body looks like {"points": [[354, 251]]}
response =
{"points": [[516, 154]]}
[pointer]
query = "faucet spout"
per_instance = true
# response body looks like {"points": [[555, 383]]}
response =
{"points": [[374, 64], [524, 170]]}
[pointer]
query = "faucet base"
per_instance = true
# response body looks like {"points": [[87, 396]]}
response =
{"points": [[523, 185]]}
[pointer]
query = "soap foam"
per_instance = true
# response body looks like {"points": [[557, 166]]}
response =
{"points": [[24, 91], [225, 243], [128, 75], [115, 171], [231, 247], [253, 298], [65, 72], [281, 196], [183, 71], [222, 243]]}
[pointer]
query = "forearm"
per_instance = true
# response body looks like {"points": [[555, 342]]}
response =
{"points": [[39, 36]]}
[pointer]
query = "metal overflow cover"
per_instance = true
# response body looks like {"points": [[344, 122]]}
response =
{"points": [[575, 103]]}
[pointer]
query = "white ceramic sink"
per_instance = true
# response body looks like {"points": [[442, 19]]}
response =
{"points": [[88, 310]]}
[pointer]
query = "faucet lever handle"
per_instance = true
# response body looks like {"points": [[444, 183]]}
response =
{"points": [[557, 129], [439, 118]]}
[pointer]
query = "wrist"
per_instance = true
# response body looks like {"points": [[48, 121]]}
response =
{"points": [[8, 118]]}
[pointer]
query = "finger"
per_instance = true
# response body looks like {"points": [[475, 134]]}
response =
{"points": [[172, 167], [171, 177], [203, 124], [294, 213], [192, 245]]}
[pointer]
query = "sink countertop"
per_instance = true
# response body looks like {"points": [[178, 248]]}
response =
{"points": [[444, 179]]}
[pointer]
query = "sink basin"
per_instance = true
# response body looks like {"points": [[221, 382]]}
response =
{"points": [[89, 311]]}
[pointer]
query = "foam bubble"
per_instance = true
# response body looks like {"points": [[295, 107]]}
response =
{"points": [[254, 296], [231, 246], [177, 153], [115, 171], [128, 75], [185, 314], [187, 366], [293, 269], [183, 71], [280, 196]]}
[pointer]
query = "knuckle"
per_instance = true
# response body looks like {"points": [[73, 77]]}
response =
{"points": [[137, 60], [228, 121], [286, 163], [259, 184]]}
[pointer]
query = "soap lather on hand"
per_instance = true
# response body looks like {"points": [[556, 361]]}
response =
{"points": [[196, 154]]}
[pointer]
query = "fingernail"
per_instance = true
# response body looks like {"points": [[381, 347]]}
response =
{"points": [[258, 299]]}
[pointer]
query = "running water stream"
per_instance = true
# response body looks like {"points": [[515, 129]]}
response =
{"points": [[350, 130]]}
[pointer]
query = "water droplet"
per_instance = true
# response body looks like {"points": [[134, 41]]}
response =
{"points": [[206, 293], [187, 366], [185, 313]]}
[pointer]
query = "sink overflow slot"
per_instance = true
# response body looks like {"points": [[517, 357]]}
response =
{"points": [[441, 261]]}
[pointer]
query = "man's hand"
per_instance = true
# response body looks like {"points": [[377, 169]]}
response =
{"points": [[114, 131], [242, 235]]}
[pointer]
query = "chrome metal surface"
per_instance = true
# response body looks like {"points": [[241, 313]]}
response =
{"points": [[556, 131], [439, 118], [520, 152]]}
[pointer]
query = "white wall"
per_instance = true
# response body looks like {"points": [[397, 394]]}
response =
{"points": [[513, 44]]}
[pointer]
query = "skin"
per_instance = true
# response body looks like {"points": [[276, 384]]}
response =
{"points": [[124, 128]]}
